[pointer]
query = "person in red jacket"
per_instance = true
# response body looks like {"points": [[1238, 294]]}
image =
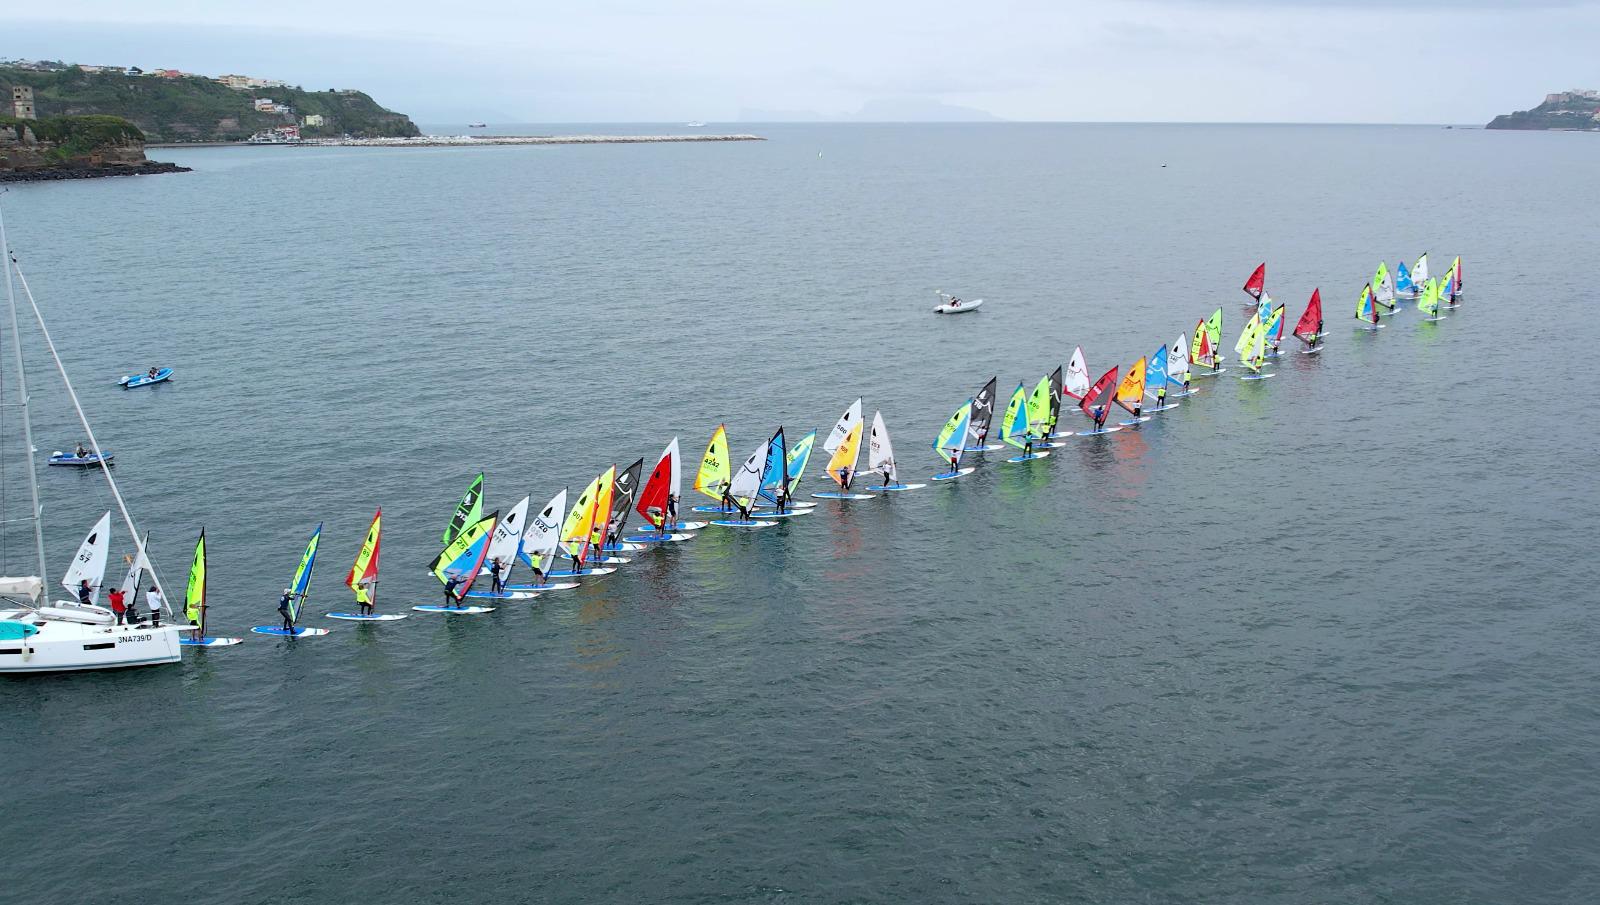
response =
{"points": [[119, 607]]}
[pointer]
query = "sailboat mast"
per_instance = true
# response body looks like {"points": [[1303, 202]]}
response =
{"points": [[22, 389], [88, 432]]}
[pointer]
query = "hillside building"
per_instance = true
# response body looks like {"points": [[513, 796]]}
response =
{"points": [[22, 102]]}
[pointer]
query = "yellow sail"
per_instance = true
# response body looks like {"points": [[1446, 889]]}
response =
{"points": [[601, 519], [364, 574], [846, 455], [715, 470], [580, 518], [1130, 392]]}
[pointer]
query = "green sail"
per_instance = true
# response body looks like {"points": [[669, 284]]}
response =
{"points": [[1039, 408], [468, 511], [953, 436], [1015, 424], [1214, 329]]}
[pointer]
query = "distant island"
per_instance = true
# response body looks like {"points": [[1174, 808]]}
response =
{"points": [[1569, 111], [171, 106]]}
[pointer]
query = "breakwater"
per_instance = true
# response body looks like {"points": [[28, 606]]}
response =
{"points": [[456, 141]]}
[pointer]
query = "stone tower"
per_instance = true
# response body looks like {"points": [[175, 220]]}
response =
{"points": [[22, 102]]}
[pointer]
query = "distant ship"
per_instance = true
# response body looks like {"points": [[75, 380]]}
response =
{"points": [[696, 124], [477, 125]]}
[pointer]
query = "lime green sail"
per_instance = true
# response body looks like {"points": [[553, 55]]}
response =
{"points": [[1251, 344], [194, 603], [468, 511], [1247, 339], [952, 439], [1014, 427], [1039, 408], [1214, 330], [1429, 302], [300, 588]]}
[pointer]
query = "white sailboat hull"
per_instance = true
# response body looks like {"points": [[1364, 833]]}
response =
{"points": [[74, 646]]}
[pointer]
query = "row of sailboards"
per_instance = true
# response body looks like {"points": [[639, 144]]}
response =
{"points": [[586, 538]]}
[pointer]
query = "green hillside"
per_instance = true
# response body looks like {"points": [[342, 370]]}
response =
{"points": [[199, 109], [1571, 111]]}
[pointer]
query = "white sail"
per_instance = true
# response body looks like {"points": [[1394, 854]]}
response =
{"points": [[543, 534], [850, 418], [1384, 291], [880, 452], [90, 563], [507, 537], [671, 452], [1419, 273], [138, 564], [1077, 382], [747, 478], [1178, 359]]}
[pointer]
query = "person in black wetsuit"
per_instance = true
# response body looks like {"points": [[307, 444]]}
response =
{"points": [[283, 610]]}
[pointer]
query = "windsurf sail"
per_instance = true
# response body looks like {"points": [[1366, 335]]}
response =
{"points": [[506, 541], [90, 562], [300, 587], [982, 413], [715, 468], [1077, 381], [746, 482], [1366, 308], [1155, 373], [1455, 267], [662, 483], [623, 491], [1130, 392], [1039, 408], [542, 538], [1251, 346], [1056, 389], [880, 452], [194, 594], [1256, 285], [363, 577], [1273, 330], [468, 510], [1014, 424], [1402, 280], [463, 557], [1383, 287], [846, 455], [1428, 302], [799, 455], [600, 526], [579, 523], [1309, 327], [952, 439], [1213, 325], [775, 470], [1178, 361], [1247, 337], [1419, 273], [1100, 395], [138, 563], [850, 418]]}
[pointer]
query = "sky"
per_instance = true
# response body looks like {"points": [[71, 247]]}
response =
{"points": [[1399, 61]]}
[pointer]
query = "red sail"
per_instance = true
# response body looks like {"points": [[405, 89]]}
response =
{"points": [[1257, 283], [1311, 322], [654, 494], [1100, 393]]}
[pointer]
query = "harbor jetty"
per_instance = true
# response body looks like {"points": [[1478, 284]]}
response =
{"points": [[458, 141]]}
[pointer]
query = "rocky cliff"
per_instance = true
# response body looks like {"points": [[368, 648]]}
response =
{"points": [[73, 147]]}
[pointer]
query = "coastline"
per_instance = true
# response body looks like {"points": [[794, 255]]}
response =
{"points": [[54, 174], [463, 141]]}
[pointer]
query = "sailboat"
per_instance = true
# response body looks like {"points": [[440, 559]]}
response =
{"points": [[195, 608], [1256, 286], [1017, 427], [665, 482], [1367, 310], [581, 533], [1383, 292], [1428, 303], [623, 492], [363, 577], [1076, 384], [541, 542], [880, 457], [745, 488], [469, 510], [715, 473], [504, 545], [1178, 368], [982, 420], [299, 589], [1130, 394], [1252, 349], [459, 564], [842, 465], [1309, 327], [1402, 282], [952, 443], [1096, 404], [1156, 379], [1205, 352]]}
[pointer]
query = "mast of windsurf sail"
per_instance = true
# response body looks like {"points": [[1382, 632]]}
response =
{"points": [[22, 389], [94, 443], [195, 592]]}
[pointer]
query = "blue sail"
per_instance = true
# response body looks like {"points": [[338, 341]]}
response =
{"points": [[1155, 371], [302, 575], [775, 474], [1402, 279]]}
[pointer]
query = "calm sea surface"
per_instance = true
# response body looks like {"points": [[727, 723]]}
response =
{"points": [[1322, 638]]}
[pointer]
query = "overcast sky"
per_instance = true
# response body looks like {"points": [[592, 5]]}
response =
{"points": [[1430, 61]]}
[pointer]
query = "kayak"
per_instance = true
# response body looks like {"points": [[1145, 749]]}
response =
{"points": [[962, 308], [139, 380], [74, 461]]}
